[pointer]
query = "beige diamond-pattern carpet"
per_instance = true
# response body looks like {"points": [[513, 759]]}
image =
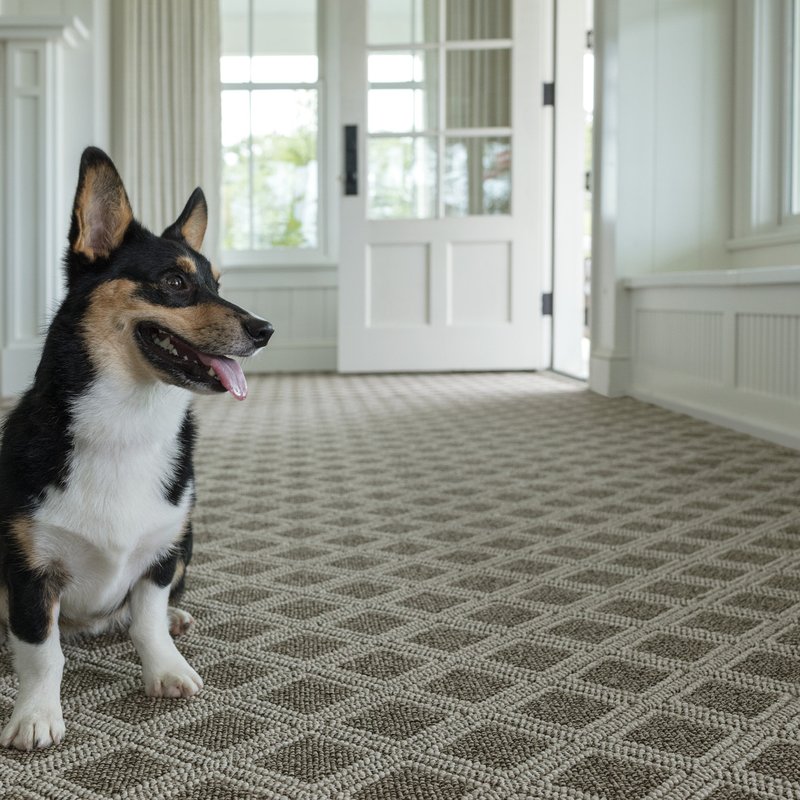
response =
{"points": [[459, 586]]}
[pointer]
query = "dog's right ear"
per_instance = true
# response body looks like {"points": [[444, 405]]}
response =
{"points": [[102, 212]]}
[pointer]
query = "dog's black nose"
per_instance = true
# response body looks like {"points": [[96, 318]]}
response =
{"points": [[259, 330]]}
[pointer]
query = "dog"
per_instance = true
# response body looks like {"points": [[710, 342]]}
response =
{"points": [[96, 475]]}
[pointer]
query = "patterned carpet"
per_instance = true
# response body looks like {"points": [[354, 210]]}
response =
{"points": [[460, 586]]}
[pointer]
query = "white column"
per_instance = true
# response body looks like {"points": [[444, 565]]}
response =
{"points": [[609, 370]]}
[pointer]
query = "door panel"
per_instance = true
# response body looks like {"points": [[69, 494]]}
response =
{"points": [[444, 247]]}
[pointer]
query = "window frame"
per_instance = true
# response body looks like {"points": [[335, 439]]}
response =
{"points": [[762, 152], [324, 254], [442, 133]]}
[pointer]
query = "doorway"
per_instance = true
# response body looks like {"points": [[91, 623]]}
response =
{"points": [[446, 191]]}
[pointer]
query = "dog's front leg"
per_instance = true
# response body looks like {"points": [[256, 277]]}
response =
{"points": [[166, 672], [35, 644]]}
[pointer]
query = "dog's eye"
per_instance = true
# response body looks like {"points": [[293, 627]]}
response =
{"points": [[175, 281]]}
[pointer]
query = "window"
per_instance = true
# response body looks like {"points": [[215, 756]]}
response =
{"points": [[767, 124], [792, 114], [270, 125]]}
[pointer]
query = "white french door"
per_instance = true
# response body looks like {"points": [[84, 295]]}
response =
{"points": [[445, 208]]}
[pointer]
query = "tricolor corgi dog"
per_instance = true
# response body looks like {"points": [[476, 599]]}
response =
{"points": [[96, 477]]}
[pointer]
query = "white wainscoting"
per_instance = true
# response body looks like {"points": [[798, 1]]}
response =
{"points": [[723, 346], [301, 303]]}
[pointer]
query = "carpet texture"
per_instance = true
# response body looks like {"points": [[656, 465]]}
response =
{"points": [[459, 586]]}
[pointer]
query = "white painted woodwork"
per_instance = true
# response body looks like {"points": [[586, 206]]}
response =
{"points": [[411, 292], [722, 346], [301, 303], [33, 216], [609, 363], [568, 183]]}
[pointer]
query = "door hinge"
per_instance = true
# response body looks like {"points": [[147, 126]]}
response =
{"points": [[548, 94], [547, 304], [590, 40]]}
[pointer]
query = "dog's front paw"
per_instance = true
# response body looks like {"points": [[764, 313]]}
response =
{"points": [[33, 729], [175, 680], [179, 621]]}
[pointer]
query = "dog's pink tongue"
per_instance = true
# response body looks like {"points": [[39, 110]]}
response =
{"points": [[229, 373]]}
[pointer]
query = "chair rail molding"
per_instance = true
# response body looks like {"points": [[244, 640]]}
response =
{"points": [[722, 346], [32, 223]]}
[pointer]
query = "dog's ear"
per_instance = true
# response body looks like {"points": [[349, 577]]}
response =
{"points": [[102, 212], [190, 227]]}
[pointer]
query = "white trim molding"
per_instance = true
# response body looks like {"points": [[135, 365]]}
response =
{"points": [[763, 215], [721, 346], [31, 224]]}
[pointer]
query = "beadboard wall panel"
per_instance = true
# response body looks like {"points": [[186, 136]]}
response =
{"points": [[301, 304], [767, 355], [687, 342], [722, 346]]}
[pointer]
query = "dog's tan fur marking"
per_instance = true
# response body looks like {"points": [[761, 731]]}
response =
{"points": [[102, 211], [55, 579], [115, 310], [187, 265], [54, 575], [194, 229], [21, 530], [180, 571]]}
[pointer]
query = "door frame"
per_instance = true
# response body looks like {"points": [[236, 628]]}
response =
{"points": [[352, 210]]}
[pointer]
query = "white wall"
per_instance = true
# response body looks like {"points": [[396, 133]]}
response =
{"points": [[675, 134]]}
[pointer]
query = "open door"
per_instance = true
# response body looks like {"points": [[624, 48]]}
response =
{"points": [[445, 184]]}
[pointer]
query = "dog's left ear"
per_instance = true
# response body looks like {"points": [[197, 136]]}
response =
{"points": [[190, 227]]}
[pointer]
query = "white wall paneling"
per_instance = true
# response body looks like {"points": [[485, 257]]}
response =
{"points": [[721, 346], [33, 55], [398, 285], [479, 283], [301, 303]]}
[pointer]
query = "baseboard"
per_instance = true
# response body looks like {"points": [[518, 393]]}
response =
{"points": [[752, 425], [609, 374]]}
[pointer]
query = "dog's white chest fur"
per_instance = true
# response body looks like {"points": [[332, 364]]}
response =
{"points": [[113, 519]]}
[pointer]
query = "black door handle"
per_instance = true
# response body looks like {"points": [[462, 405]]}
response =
{"points": [[351, 159]]}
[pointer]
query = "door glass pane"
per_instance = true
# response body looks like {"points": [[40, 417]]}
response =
{"points": [[478, 19], [236, 170], [401, 177], [477, 176], [403, 21], [478, 88], [403, 94], [285, 169]]}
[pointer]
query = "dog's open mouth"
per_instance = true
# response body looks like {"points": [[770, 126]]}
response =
{"points": [[190, 367]]}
